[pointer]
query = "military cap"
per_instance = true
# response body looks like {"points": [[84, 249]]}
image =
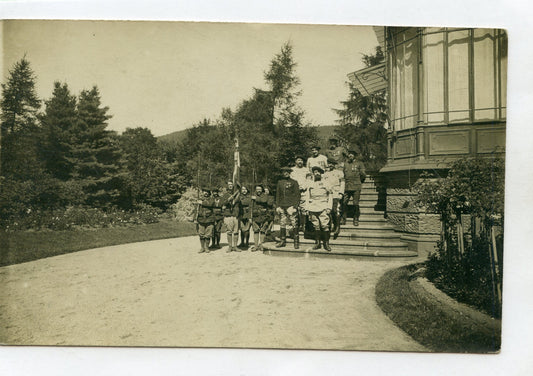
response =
{"points": [[315, 147], [317, 168], [299, 157], [285, 168]]}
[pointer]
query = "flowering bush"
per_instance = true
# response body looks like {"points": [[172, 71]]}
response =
{"points": [[184, 209], [75, 217]]}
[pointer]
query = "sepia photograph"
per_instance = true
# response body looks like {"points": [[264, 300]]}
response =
{"points": [[252, 185]]}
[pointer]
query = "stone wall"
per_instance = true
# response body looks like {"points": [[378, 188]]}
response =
{"points": [[406, 216]]}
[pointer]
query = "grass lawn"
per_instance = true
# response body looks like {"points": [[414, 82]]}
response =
{"points": [[429, 322], [26, 246]]}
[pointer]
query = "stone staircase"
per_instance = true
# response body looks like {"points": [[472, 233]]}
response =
{"points": [[373, 237]]}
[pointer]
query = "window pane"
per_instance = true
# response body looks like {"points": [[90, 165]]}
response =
{"points": [[399, 83], [485, 81], [433, 60], [410, 78], [458, 100], [503, 71]]}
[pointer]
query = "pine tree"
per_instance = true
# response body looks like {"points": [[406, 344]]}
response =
{"points": [[294, 136], [95, 155], [59, 125], [362, 120], [282, 80], [18, 128]]}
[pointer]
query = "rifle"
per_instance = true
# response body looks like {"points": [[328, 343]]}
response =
{"points": [[195, 220], [253, 200]]}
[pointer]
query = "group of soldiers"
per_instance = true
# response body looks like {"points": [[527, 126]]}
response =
{"points": [[312, 196]]}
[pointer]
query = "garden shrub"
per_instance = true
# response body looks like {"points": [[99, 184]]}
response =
{"points": [[474, 189]]}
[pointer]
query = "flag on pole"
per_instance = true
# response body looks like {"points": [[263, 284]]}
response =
{"points": [[236, 164]]}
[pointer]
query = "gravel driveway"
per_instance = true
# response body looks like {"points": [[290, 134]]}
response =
{"points": [[163, 293]]}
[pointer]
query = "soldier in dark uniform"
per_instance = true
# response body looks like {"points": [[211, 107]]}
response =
{"points": [[287, 201], [245, 216], [205, 220], [354, 176], [219, 218], [336, 153], [260, 219]]}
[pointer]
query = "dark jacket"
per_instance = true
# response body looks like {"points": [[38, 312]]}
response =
{"points": [[261, 208], [287, 193], [246, 206], [205, 212], [217, 208], [354, 175], [230, 207]]}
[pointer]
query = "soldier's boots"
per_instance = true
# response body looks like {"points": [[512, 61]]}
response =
{"points": [[317, 239], [283, 238], [325, 238], [203, 245]]}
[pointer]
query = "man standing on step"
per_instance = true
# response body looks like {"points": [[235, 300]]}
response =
{"points": [[205, 220], [354, 176], [316, 159], [335, 178], [230, 210], [287, 201], [319, 204], [336, 153]]}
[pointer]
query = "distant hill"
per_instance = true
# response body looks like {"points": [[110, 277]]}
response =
{"points": [[174, 136], [324, 133]]}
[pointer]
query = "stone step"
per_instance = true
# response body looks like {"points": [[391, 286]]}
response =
{"points": [[370, 226], [370, 198], [321, 253], [384, 249], [390, 235], [370, 218], [349, 243]]}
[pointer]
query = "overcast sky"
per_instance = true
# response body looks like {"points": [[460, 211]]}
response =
{"points": [[169, 75]]}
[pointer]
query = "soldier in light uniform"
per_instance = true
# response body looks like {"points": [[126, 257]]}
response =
{"points": [[245, 217], [336, 153], [287, 201], [205, 220], [302, 175], [230, 210], [270, 214], [319, 204], [219, 218], [335, 178], [316, 159], [354, 176]]}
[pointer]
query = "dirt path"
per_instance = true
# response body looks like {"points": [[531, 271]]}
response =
{"points": [[163, 293]]}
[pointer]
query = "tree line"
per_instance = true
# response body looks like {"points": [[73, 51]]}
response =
{"points": [[58, 153]]}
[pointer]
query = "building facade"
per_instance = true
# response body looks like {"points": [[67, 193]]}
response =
{"points": [[446, 93]]}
